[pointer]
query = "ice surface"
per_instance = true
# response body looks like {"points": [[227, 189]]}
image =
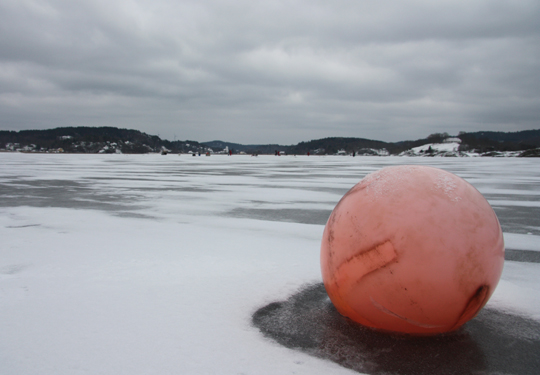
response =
{"points": [[138, 264]]}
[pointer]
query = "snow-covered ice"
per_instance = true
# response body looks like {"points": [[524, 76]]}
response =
{"points": [[139, 264], [448, 147]]}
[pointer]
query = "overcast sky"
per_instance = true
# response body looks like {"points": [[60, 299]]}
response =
{"points": [[270, 71]]}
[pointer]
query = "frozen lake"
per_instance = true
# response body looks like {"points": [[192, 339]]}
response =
{"points": [[139, 264]]}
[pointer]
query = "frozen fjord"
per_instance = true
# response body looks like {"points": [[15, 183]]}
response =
{"points": [[141, 264]]}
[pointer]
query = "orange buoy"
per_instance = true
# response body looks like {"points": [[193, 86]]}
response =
{"points": [[412, 249]]}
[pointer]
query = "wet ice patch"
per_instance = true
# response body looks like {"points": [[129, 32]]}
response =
{"points": [[12, 269], [304, 216], [493, 342], [22, 226]]}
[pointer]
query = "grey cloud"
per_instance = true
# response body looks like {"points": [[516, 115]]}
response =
{"points": [[280, 71]]}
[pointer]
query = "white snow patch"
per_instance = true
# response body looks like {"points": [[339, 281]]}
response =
{"points": [[522, 241]]}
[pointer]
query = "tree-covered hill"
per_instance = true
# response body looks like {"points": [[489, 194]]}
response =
{"points": [[93, 140], [335, 144], [488, 141], [111, 140]]}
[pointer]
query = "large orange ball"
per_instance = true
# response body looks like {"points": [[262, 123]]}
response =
{"points": [[412, 249]]}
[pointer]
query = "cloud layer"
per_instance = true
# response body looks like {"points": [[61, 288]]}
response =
{"points": [[277, 71]]}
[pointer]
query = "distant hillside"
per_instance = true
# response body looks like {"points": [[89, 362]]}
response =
{"points": [[115, 140], [248, 149], [480, 142], [517, 137], [500, 141], [335, 144], [92, 140]]}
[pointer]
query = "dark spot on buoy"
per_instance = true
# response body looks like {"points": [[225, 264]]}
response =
{"points": [[476, 302], [330, 236]]}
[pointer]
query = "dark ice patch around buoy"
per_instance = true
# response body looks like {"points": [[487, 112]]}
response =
{"points": [[492, 343]]}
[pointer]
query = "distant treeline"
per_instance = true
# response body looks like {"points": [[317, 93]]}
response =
{"points": [[481, 142], [500, 141], [111, 139], [93, 140]]}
